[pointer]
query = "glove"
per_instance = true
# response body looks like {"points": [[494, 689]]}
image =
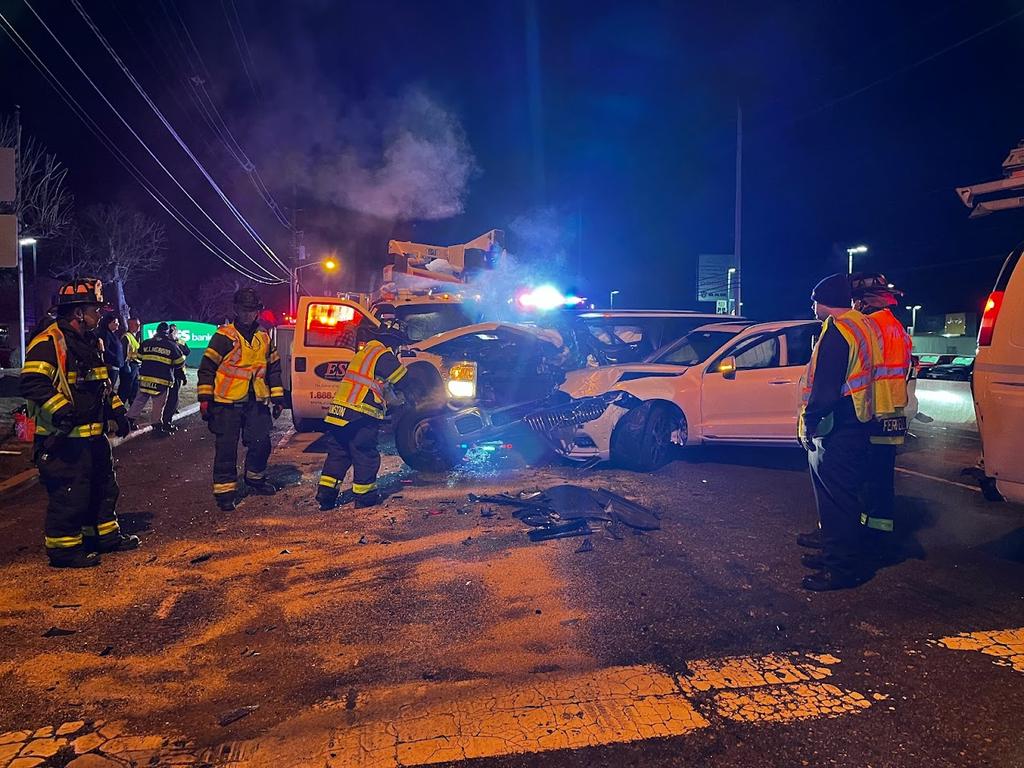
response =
{"points": [[204, 409], [123, 426], [276, 410]]}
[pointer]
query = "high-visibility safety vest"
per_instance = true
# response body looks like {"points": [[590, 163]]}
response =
{"points": [[361, 388], [131, 347], [864, 340], [62, 381], [891, 373], [244, 366]]}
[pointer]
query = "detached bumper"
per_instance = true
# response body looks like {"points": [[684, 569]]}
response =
{"points": [[553, 418]]}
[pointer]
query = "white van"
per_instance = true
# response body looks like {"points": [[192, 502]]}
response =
{"points": [[998, 384], [315, 353]]}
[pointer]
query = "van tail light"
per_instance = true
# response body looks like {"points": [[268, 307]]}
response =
{"points": [[988, 318]]}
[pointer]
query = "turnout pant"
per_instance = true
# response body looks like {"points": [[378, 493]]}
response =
{"points": [[128, 388], [171, 406], [839, 473], [78, 474], [354, 445], [139, 405], [252, 421]]}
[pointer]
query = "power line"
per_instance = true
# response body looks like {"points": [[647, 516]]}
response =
{"points": [[177, 137], [22, 45], [145, 146], [238, 47]]}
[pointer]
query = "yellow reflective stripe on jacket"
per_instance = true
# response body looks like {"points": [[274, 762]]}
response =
{"points": [[204, 389], [93, 374], [88, 430], [41, 367], [213, 354], [395, 377], [155, 380], [63, 542], [55, 403]]}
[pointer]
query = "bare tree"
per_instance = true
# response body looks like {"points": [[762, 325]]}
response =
{"points": [[44, 204], [212, 302], [115, 244]]}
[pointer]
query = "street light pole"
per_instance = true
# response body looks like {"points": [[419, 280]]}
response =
{"points": [[730, 304], [329, 264], [913, 317], [611, 299], [851, 251]]}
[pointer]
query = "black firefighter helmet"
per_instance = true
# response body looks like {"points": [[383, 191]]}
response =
{"points": [[388, 335], [87, 290], [248, 300]]}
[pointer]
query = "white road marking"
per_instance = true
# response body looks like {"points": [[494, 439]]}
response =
{"points": [[938, 479]]}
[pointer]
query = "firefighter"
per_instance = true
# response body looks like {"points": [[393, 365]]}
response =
{"points": [[70, 395], [835, 427], [354, 417], [180, 380], [873, 295], [128, 387], [239, 376], [162, 363]]}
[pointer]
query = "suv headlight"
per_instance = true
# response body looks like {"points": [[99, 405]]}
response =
{"points": [[462, 380]]}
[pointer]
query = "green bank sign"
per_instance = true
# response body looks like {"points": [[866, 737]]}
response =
{"points": [[195, 336]]}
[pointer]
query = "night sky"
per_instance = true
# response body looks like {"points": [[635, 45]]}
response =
{"points": [[596, 134]]}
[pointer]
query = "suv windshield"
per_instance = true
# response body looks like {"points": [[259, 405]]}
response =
{"points": [[695, 347], [421, 321]]}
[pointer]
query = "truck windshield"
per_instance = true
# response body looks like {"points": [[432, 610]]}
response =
{"points": [[695, 347], [421, 321]]}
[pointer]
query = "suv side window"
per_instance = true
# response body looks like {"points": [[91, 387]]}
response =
{"points": [[799, 343], [759, 352]]}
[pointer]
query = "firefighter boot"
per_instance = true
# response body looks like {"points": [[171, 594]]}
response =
{"points": [[226, 502], [75, 557], [117, 542], [326, 498], [261, 487], [371, 499]]}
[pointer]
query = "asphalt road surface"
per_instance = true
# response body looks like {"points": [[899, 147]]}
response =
{"points": [[424, 633]]}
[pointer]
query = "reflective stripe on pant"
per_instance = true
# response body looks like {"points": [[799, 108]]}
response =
{"points": [[839, 469], [139, 405], [78, 474], [354, 445], [251, 420]]}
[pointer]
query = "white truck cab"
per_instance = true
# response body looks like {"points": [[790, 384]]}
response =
{"points": [[998, 383], [315, 352]]}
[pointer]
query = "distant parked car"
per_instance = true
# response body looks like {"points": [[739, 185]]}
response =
{"points": [[924, 362], [958, 369]]}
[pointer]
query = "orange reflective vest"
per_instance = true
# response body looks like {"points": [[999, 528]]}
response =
{"points": [[864, 341], [361, 388], [890, 381], [244, 365]]}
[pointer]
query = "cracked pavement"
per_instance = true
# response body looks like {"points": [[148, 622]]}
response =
{"points": [[421, 633]]}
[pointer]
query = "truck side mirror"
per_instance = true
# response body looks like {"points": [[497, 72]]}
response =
{"points": [[727, 367]]}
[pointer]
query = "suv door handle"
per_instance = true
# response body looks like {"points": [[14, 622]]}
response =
{"points": [[781, 381]]}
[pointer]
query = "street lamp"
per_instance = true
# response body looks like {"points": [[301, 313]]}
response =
{"points": [[611, 299], [913, 317], [728, 291], [855, 249], [21, 288], [330, 264]]}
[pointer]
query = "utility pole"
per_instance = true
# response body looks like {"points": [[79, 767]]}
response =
{"points": [[17, 208], [738, 224]]}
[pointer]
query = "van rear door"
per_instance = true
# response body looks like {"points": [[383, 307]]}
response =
{"points": [[999, 380]]}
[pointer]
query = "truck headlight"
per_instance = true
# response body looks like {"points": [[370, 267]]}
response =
{"points": [[462, 380]]}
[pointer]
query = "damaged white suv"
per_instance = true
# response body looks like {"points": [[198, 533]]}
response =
{"points": [[728, 382]]}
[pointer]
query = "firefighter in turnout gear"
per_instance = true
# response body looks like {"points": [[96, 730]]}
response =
{"points": [[239, 377], [70, 395], [835, 427], [354, 418], [873, 295], [162, 363]]}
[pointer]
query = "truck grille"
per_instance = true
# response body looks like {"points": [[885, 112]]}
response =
{"points": [[571, 414]]}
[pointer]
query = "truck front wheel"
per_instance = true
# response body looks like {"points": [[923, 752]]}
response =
{"points": [[422, 443]]}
